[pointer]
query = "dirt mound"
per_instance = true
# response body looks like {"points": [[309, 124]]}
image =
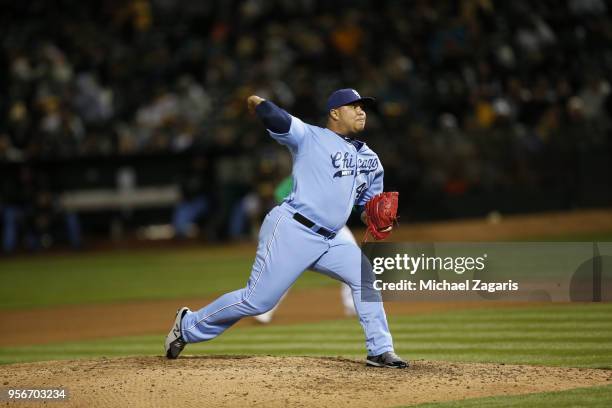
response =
{"points": [[284, 381]]}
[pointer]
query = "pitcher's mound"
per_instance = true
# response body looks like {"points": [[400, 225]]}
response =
{"points": [[283, 381]]}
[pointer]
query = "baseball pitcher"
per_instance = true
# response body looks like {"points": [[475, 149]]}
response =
{"points": [[332, 173]]}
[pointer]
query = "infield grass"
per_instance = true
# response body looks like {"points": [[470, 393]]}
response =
{"points": [[561, 335], [579, 397]]}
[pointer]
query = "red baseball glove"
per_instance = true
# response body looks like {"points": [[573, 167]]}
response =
{"points": [[381, 213]]}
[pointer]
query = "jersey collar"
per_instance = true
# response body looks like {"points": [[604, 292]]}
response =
{"points": [[357, 143]]}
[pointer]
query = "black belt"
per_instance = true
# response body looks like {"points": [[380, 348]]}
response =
{"points": [[309, 224]]}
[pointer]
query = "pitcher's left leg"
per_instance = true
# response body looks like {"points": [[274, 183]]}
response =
{"points": [[343, 261]]}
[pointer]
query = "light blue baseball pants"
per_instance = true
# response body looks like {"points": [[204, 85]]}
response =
{"points": [[286, 249]]}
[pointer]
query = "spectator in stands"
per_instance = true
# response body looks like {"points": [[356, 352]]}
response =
{"points": [[196, 197], [32, 214], [138, 77]]}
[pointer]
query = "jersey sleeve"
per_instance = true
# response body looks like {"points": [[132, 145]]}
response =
{"points": [[273, 117], [294, 138], [376, 187]]}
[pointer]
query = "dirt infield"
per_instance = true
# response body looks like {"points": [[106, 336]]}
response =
{"points": [[284, 381]]}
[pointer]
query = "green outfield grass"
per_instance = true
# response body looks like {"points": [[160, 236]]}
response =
{"points": [[576, 336], [121, 275], [580, 397], [42, 281]]}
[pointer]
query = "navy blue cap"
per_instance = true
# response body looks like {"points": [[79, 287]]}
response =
{"points": [[346, 96]]}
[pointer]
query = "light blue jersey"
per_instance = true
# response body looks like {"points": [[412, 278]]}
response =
{"points": [[330, 173]]}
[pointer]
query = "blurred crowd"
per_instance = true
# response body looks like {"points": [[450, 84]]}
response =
{"points": [[473, 94]]}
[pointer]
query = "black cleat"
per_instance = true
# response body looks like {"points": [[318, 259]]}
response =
{"points": [[174, 341], [388, 360]]}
